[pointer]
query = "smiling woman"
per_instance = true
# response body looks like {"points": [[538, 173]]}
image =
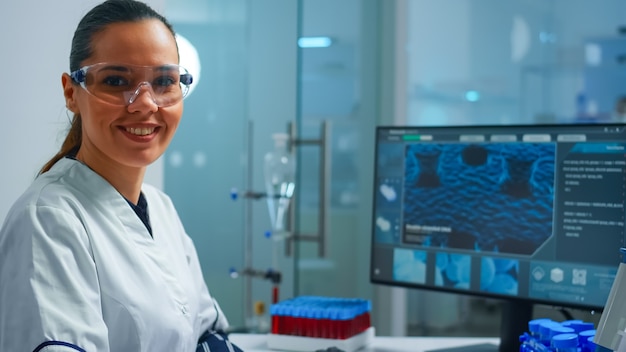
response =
{"points": [[92, 259], [107, 145]]}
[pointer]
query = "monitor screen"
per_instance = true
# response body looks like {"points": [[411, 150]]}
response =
{"points": [[533, 213]]}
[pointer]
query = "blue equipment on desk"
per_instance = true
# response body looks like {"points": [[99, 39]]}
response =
{"points": [[547, 335]]}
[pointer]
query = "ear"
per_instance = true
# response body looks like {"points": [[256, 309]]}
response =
{"points": [[69, 91]]}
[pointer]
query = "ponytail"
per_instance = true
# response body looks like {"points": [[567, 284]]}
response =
{"points": [[72, 141]]}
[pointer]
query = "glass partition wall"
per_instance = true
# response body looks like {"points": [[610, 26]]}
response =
{"points": [[256, 81], [382, 62], [480, 62], [206, 157]]}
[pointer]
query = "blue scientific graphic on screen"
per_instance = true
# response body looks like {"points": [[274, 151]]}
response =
{"points": [[390, 164], [409, 265], [472, 195], [499, 275], [388, 203], [453, 270]]}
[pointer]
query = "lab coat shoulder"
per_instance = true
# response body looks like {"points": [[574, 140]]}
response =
{"points": [[48, 278], [51, 209]]}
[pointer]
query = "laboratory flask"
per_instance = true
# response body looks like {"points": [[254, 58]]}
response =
{"points": [[280, 169]]}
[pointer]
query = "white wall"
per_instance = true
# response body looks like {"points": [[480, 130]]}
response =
{"points": [[36, 38]]}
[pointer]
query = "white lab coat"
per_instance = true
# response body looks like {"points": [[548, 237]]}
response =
{"points": [[79, 267]]}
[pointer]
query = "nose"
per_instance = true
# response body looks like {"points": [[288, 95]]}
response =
{"points": [[143, 95]]}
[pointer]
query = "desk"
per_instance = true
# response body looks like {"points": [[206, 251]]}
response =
{"points": [[257, 343]]}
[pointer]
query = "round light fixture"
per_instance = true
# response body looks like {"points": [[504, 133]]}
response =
{"points": [[189, 59]]}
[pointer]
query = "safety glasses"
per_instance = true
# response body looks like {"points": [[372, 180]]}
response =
{"points": [[121, 84]]}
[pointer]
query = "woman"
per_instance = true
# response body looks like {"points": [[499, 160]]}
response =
{"points": [[91, 259]]}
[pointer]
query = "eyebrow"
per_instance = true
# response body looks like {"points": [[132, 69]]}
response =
{"points": [[166, 67], [123, 68], [120, 68]]}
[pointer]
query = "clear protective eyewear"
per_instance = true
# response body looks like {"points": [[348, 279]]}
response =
{"points": [[121, 84]]}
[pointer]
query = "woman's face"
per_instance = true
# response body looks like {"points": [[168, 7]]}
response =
{"points": [[137, 134]]}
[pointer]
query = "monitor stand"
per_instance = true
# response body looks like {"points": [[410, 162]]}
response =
{"points": [[514, 316]]}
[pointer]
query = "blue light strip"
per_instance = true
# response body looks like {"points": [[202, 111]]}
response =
{"points": [[314, 42]]}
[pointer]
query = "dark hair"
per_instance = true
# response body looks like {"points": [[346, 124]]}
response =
{"points": [[96, 20]]}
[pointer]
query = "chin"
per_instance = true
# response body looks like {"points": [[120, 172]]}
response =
{"points": [[142, 161]]}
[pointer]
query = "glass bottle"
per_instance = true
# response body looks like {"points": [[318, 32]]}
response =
{"points": [[279, 167]]}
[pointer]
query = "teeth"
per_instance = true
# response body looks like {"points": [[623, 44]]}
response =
{"points": [[140, 131]]}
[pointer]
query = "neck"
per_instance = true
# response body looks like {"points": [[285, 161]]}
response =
{"points": [[127, 180]]}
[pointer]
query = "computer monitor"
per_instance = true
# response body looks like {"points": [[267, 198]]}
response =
{"points": [[524, 213]]}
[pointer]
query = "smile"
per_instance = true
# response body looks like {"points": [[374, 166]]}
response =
{"points": [[140, 131]]}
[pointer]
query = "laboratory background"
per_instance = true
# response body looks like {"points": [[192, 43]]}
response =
{"points": [[326, 73]]}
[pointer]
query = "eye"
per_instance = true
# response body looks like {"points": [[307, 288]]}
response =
{"points": [[115, 81], [164, 81]]}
